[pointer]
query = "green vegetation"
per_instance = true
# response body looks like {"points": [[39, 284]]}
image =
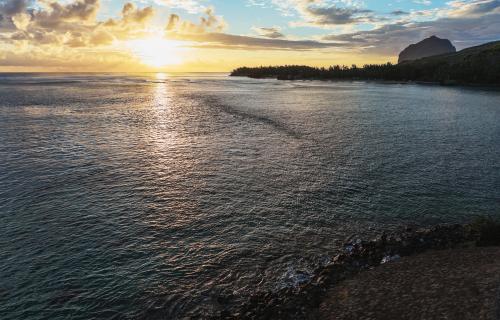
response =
{"points": [[476, 65]]}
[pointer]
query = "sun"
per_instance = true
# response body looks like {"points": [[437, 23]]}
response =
{"points": [[158, 52]]}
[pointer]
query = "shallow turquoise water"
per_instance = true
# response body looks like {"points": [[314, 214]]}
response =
{"points": [[151, 196]]}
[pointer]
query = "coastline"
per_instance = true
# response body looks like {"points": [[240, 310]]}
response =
{"points": [[382, 81], [458, 283], [474, 66], [359, 256]]}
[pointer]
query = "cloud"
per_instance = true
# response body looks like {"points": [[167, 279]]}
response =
{"points": [[230, 41], [333, 15], [399, 13], [322, 13], [272, 32], [132, 24], [131, 13], [70, 24], [207, 33], [465, 23], [209, 22], [72, 29], [79, 11], [21, 20], [10, 9], [13, 7], [132, 18], [80, 60], [191, 6], [423, 2], [474, 8]]}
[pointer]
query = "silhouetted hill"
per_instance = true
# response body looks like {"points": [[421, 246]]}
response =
{"points": [[477, 65], [429, 47]]}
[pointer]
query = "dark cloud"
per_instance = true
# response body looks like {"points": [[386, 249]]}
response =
{"points": [[173, 21], [13, 7], [78, 11], [471, 24], [9, 9], [485, 7], [131, 13], [334, 15], [272, 32], [207, 34], [399, 13], [223, 40]]}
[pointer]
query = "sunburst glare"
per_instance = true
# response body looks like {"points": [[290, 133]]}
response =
{"points": [[158, 52]]}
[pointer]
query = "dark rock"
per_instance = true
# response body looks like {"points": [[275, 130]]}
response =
{"points": [[298, 302], [429, 47]]}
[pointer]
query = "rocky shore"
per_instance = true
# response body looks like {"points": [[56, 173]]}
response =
{"points": [[303, 301], [458, 283]]}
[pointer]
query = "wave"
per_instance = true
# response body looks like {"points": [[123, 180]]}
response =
{"points": [[245, 115]]}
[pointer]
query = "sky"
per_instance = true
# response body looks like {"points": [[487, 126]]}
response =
{"points": [[220, 35]]}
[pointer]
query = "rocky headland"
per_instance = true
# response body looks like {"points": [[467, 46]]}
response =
{"points": [[478, 66], [429, 47]]}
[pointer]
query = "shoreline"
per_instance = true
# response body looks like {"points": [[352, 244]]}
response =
{"points": [[357, 257], [381, 81], [459, 283]]}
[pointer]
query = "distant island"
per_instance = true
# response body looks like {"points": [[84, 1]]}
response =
{"points": [[478, 65], [432, 46]]}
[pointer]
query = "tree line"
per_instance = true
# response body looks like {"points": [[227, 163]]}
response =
{"points": [[477, 68]]}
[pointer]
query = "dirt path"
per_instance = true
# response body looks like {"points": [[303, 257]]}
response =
{"points": [[454, 284]]}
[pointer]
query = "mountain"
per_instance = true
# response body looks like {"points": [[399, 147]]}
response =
{"points": [[486, 54], [473, 66], [432, 46]]}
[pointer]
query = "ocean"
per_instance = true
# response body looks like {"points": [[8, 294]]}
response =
{"points": [[159, 196]]}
